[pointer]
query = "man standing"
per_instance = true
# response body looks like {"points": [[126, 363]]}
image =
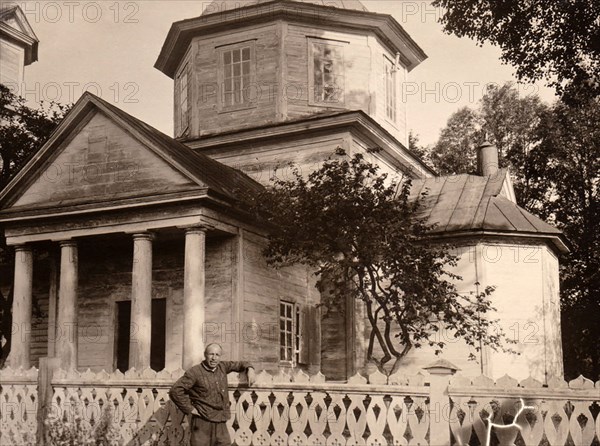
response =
{"points": [[203, 394]]}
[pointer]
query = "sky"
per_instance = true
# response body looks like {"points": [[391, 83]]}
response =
{"points": [[109, 48]]}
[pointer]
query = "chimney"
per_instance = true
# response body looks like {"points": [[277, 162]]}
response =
{"points": [[487, 159]]}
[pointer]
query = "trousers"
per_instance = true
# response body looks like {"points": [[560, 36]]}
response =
{"points": [[207, 433]]}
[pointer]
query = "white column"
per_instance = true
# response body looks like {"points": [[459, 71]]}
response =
{"points": [[21, 309], [141, 302], [194, 296], [66, 329]]}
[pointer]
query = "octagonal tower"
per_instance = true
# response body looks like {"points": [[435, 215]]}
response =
{"points": [[244, 64]]}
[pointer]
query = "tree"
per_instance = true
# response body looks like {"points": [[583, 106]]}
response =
{"points": [[558, 41], [23, 130], [503, 118], [358, 230], [455, 151], [564, 170]]}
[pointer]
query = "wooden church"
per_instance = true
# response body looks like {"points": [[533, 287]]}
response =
{"points": [[130, 249]]}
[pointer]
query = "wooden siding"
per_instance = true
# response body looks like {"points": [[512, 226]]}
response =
{"points": [[12, 59], [264, 287], [364, 76], [261, 162], [102, 162], [206, 115]]}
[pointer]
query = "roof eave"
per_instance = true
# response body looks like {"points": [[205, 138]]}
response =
{"points": [[558, 240], [384, 25]]}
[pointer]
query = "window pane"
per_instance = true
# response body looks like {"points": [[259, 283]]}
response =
{"points": [[236, 55], [227, 57], [246, 54], [246, 68], [237, 69]]}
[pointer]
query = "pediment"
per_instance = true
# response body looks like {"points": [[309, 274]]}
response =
{"points": [[98, 162]]}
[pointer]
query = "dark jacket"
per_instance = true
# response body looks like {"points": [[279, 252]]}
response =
{"points": [[206, 390]]}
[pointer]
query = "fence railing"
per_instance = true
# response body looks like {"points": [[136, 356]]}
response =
{"points": [[426, 409]]}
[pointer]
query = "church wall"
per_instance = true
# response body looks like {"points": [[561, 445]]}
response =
{"points": [[12, 58], [264, 288], [527, 302], [527, 299], [261, 162], [363, 76], [357, 63], [206, 114]]}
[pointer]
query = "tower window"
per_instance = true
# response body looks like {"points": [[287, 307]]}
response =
{"points": [[237, 75], [327, 77], [182, 90], [390, 89]]}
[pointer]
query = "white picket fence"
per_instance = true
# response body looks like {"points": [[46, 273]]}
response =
{"points": [[301, 410]]}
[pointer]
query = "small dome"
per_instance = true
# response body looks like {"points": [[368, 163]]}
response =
{"points": [[220, 6]]}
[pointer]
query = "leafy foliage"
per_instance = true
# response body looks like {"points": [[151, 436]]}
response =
{"points": [[543, 39], [362, 236], [23, 130], [564, 170], [79, 432], [503, 118]]}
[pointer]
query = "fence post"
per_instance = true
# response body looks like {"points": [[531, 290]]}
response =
{"points": [[439, 403], [45, 392]]}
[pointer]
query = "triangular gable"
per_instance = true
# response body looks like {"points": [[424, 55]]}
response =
{"points": [[101, 162], [15, 18], [94, 156], [97, 133]]}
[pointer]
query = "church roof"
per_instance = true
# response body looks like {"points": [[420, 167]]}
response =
{"points": [[223, 16], [226, 5], [217, 176], [459, 204]]}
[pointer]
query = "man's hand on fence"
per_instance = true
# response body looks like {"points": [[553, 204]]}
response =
{"points": [[251, 376]]}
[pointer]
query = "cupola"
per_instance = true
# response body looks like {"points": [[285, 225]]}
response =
{"points": [[252, 63]]}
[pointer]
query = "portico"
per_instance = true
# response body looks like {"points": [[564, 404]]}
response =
{"points": [[101, 239]]}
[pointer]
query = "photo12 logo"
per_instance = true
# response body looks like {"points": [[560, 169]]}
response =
{"points": [[68, 92], [74, 11]]}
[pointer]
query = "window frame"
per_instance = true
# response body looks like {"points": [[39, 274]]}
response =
{"points": [[251, 102], [183, 119], [390, 79], [312, 43], [296, 333]]}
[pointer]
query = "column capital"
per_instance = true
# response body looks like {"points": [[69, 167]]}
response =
{"points": [[143, 236], [196, 229], [67, 243], [22, 247]]}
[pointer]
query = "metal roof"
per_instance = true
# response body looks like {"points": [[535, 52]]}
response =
{"points": [[460, 203], [218, 6]]}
